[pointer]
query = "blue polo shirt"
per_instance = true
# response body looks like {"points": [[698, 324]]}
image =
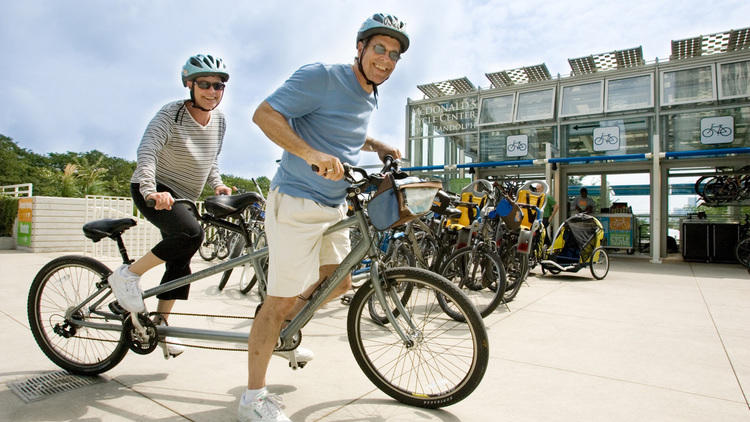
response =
{"points": [[327, 107]]}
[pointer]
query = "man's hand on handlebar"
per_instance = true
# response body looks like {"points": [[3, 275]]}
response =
{"points": [[327, 166], [161, 200]]}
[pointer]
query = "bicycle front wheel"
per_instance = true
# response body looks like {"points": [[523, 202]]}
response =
{"points": [[480, 275], [742, 252], [57, 289], [441, 362]]}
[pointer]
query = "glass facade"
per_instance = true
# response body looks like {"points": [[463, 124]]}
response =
{"points": [[582, 99], [608, 137], [496, 110], [630, 93], [734, 80], [687, 131], [535, 105], [688, 85], [495, 145]]}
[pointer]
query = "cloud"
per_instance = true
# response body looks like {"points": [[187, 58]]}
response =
{"points": [[81, 75]]}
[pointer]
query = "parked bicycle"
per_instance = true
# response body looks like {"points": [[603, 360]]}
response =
{"points": [[742, 250], [415, 358]]}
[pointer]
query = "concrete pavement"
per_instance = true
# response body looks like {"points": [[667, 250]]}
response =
{"points": [[667, 342]]}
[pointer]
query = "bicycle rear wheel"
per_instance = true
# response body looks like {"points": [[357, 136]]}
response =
{"points": [[59, 287], [480, 275], [599, 263], [443, 361]]}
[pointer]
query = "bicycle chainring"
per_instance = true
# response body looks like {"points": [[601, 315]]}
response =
{"points": [[138, 343]]}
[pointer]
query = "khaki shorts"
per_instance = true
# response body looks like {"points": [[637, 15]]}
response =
{"points": [[296, 244]]}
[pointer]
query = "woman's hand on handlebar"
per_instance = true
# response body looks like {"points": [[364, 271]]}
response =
{"points": [[161, 200]]}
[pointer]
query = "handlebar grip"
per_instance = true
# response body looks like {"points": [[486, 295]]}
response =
{"points": [[150, 203]]}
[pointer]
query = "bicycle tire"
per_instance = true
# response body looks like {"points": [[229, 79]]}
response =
{"points": [[516, 275], [742, 252], [599, 263], [223, 242], [401, 257], [448, 358], [207, 250], [235, 250], [58, 286], [462, 269]]}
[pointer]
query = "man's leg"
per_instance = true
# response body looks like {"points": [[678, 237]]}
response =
{"points": [[263, 337]]}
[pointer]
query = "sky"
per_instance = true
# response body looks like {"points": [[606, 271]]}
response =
{"points": [[84, 75]]}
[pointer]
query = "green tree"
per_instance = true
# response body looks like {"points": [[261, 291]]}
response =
{"points": [[89, 176]]}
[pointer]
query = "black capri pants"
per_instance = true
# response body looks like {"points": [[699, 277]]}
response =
{"points": [[181, 236]]}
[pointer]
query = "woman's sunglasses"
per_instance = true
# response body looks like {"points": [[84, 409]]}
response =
{"points": [[218, 86]]}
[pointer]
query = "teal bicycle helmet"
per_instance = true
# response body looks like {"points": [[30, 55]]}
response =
{"points": [[203, 65], [383, 24]]}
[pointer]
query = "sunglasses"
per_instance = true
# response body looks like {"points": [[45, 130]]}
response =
{"points": [[394, 55], [218, 86]]}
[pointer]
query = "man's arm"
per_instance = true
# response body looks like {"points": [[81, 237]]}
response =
{"points": [[277, 129], [382, 149]]}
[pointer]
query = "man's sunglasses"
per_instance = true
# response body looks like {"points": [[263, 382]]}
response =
{"points": [[218, 86], [379, 49]]}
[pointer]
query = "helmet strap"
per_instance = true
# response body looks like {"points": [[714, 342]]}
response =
{"points": [[362, 71], [194, 103]]}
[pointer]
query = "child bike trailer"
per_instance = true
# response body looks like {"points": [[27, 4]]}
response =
{"points": [[577, 244]]}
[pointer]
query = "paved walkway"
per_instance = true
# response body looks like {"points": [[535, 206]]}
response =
{"points": [[667, 342]]}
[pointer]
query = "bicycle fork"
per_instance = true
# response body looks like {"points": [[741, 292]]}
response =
{"points": [[409, 340]]}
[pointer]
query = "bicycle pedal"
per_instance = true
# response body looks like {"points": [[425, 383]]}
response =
{"points": [[346, 299]]}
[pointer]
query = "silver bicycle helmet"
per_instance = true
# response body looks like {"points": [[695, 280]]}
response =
{"points": [[203, 65], [383, 24]]}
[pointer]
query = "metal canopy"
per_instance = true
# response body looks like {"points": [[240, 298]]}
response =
{"points": [[520, 75], [702, 45], [447, 88], [619, 59]]}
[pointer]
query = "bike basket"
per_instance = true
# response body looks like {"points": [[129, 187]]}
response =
{"points": [[397, 202]]}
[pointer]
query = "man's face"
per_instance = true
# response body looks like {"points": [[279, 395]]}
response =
{"points": [[376, 60], [206, 94]]}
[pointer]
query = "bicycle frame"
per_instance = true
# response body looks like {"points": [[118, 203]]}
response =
{"points": [[359, 251]]}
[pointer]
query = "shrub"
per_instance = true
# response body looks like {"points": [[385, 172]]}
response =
{"points": [[8, 213]]}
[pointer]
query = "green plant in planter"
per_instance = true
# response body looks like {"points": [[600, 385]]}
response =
{"points": [[8, 213]]}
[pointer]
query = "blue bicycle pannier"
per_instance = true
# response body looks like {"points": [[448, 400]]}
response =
{"points": [[399, 201]]}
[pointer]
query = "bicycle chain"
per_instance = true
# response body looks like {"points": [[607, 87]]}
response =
{"points": [[195, 346]]}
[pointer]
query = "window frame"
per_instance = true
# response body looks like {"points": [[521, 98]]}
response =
{"points": [[549, 116], [652, 96], [720, 85], [587, 113], [681, 69], [513, 95]]}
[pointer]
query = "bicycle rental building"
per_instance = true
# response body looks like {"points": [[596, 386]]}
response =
{"points": [[636, 134]]}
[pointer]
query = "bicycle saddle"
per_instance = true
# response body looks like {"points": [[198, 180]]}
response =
{"points": [[99, 229], [226, 205]]}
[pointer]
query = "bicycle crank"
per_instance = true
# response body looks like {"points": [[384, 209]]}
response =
{"points": [[141, 333]]}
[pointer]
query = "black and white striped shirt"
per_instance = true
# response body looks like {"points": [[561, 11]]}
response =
{"points": [[180, 153]]}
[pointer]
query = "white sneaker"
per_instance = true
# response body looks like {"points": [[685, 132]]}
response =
{"points": [[170, 347], [265, 407], [301, 355], [127, 289]]}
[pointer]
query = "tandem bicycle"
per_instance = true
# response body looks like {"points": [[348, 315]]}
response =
{"points": [[421, 357]]}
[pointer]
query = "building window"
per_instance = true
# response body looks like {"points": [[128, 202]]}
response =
{"points": [[535, 105], [630, 93], [496, 110], [581, 99], [683, 132], [494, 144], [608, 137], [688, 85], [734, 80]]}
